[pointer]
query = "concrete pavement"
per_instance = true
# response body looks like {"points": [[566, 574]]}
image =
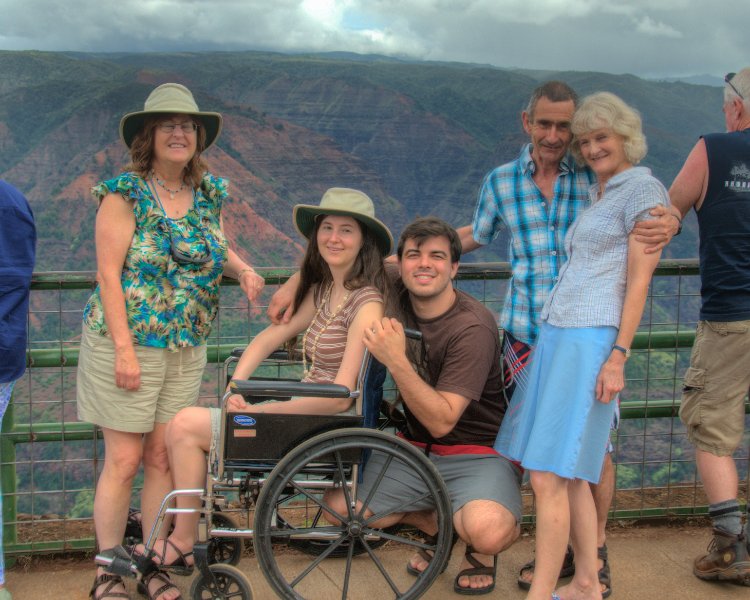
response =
{"points": [[648, 562]]}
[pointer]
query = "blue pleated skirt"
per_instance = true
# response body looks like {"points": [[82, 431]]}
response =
{"points": [[556, 423]]}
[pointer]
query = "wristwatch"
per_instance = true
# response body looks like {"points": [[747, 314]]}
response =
{"points": [[625, 351]]}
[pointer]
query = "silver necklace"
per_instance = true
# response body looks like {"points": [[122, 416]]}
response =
{"points": [[163, 185]]}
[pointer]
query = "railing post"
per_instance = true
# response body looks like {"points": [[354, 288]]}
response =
{"points": [[8, 482]]}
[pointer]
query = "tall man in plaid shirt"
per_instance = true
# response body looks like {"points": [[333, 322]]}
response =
{"points": [[537, 197]]}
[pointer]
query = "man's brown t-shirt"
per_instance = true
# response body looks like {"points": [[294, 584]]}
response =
{"points": [[463, 357]]}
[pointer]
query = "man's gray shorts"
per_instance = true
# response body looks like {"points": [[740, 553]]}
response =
{"points": [[467, 476]]}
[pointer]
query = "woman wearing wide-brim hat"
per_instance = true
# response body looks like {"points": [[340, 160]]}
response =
{"points": [[342, 291], [161, 253]]}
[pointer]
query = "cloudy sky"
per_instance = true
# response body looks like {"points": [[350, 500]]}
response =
{"points": [[645, 37]]}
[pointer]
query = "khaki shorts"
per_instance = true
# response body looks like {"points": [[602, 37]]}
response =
{"points": [[169, 381], [715, 386]]}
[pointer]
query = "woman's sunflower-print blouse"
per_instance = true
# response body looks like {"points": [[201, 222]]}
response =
{"points": [[169, 305]]}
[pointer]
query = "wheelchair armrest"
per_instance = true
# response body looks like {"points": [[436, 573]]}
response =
{"points": [[276, 355], [288, 389]]}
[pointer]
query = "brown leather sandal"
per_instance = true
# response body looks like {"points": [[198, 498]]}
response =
{"points": [[430, 540], [163, 578], [477, 568], [179, 566], [605, 576], [112, 581], [568, 569], [133, 530]]}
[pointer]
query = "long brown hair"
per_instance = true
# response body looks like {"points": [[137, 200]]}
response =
{"points": [[367, 269], [142, 151]]}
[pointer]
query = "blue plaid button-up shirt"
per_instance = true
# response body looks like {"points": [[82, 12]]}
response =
{"points": [[537, 226]]}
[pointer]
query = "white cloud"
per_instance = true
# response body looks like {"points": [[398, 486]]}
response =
{"points": [[650, 27], [649, 37], [327, 13]]}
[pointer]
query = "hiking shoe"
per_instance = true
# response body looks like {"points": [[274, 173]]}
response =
{"points": [[727, 559]]}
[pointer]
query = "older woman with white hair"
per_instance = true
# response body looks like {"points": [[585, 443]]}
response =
{"points": [[558, 428]]}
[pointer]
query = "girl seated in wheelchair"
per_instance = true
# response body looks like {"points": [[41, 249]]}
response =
{"points": [[341, 292]]}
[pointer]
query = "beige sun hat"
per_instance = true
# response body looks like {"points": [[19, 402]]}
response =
{"points": [[170, 98], [345, 202]]}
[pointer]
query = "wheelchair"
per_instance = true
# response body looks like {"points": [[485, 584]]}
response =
{"points": [[281, 469]]}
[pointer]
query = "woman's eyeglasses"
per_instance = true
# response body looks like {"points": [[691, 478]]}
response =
{"points": [[728, 80], [187, 127]]}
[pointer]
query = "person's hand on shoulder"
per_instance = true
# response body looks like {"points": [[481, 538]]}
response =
{"points": [[385, 339], [658, 232], [280, 310]]}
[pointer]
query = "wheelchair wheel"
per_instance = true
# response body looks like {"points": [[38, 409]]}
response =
{"points": [[294, 493], [231, 583], [224, 550]]}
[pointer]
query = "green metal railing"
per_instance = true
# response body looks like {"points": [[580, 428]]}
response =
{"points": [[49, 461]]}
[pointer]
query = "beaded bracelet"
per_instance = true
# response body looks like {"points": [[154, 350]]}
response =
{"points": [[239, 275]]}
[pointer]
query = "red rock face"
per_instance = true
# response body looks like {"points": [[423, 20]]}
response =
{"points": [[417, 137]]}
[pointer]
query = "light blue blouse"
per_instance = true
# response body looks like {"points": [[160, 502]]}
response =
{"points": [[591, 288]]}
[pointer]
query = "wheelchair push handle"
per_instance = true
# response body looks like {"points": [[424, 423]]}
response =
{"points": [[413, 334]]}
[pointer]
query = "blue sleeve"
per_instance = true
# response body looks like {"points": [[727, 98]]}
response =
{"points": [[17, 256], [648, 194], [487, 220]]}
